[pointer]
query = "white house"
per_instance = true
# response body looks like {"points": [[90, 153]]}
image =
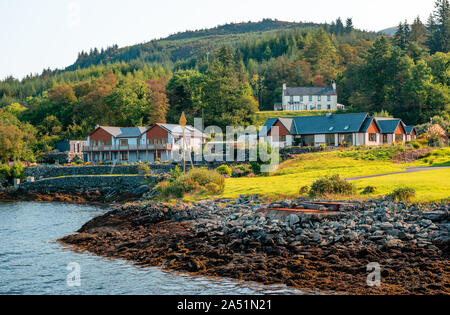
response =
{"points": [[309, 98]]}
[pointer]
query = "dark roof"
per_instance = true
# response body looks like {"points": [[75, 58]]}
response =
{"points": [[388, 125], [309, 90], [329, 124], [409, 129], [287, 122], [268, 125], [344, 123], [367, 124]]}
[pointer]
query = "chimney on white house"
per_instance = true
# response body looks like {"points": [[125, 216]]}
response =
{"points": [[334, 85], [284, 87]]}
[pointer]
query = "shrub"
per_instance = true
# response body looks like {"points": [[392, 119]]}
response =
{"points": [[241, 170], [224, 170], [5, 171], [304, 190], [369, 190], [213, 188], [257, 165], [143, 169], [416, 144], [195, 179], [435, 141], [175, 173], [403, 194], [333, 185], [162, 186], [17, 170]]}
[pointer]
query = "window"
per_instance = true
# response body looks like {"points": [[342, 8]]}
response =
{"points": [[346, 139], [307, 141], [301, 98], [292, 99], [319, 98], [319, 107], [372, 137], [329, 98], [328, 106], [385, 138], [330, 140], [123, 143], [310, 98], [306, 107]]}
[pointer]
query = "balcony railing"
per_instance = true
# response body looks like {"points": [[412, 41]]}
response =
{"points": [[129, 147]]}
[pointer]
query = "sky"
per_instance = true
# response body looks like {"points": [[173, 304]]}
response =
{"points": [[40, 34]]}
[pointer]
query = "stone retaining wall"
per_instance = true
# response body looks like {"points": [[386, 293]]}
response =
{"points": [[106, 184], [48, 171]]}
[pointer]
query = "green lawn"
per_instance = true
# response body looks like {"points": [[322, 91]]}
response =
{"points": [[429, 185], [294, 174]]}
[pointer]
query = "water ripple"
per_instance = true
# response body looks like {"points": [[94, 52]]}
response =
{"points": [[31, 262]]}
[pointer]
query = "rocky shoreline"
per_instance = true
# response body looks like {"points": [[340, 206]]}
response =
{"points": [[81, 197], [235, 239]]}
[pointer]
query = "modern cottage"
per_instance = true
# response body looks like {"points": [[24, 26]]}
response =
{"points": [[134, 144], [309, 98], [336, 130]]}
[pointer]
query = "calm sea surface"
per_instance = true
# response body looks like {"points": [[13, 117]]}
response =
{"points": [[32, 262]]}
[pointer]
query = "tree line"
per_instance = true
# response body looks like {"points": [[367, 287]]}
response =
{"points": [[406, 75]]}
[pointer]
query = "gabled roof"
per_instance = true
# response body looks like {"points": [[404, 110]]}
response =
{"points": [[124, 132], [329, 124], [344, 123], [409, 129], [365, 127], [178, 130], [309, 90], [389, 125], [287, 122]]}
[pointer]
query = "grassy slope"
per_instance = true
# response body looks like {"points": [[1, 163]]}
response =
{"points": [[294, 174], [430, 185]]}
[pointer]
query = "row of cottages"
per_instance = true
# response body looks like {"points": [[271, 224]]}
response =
{"points": [[141, 144], [337, 130]]}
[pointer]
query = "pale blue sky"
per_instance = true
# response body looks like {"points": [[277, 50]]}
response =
{"points": [[37, 34]]}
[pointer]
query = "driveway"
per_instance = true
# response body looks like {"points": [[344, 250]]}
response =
{"points": [[408, 170]]}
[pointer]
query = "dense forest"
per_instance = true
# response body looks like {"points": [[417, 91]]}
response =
{"points": [[228, 73]]}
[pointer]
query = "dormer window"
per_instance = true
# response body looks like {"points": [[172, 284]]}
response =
{"points": [[347, 127], [331, 129]]}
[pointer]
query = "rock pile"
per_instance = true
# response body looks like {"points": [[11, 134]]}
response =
{"points": [[377, 223]]}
